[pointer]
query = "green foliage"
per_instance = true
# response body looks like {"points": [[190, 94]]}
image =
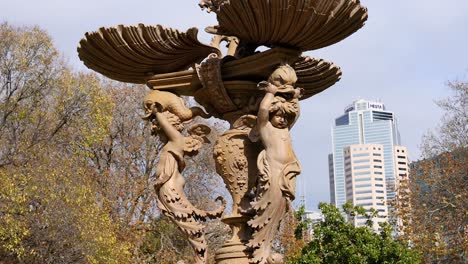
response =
{"points": [[337, 241], [302, 223]]}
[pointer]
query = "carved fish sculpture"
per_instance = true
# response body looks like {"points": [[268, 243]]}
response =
{"points": [[173, 103]]}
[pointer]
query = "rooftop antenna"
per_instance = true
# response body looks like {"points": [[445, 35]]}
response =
{"points": [[302, 197], [303, 200]]}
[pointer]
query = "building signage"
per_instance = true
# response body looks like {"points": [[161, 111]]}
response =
{"points": [[377, 106]]}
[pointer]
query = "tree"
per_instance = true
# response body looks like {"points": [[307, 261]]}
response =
{"points": [[337, 241], [437, 219], [293, 233], [77, 165], [49, 212], [452, 133], [30, 68]]}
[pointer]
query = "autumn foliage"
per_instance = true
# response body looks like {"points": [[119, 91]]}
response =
{"points": [[77, 164], [434, 213]]}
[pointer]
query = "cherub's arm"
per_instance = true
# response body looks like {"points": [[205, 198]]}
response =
{"points": [[263, 116], [171, 132], [298, 93]]}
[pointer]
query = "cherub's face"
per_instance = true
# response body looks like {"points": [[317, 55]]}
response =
{"points": [[198, 131], [192, 145], [279, 120]]}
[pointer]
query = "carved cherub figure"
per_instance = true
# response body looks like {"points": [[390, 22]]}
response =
{"points": [[170, 183], [277, 163]]}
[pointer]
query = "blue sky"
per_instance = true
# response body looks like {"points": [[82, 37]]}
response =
{"points": [[403, 57]]}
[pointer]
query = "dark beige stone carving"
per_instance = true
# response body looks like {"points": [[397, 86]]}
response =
{"points": [[256, 92], [133, 53], [315, 75], [277, 164], [231, 43], [235, 157], [302, 24], [170, 183], [172, 103], [211, 5], [213, 95]]}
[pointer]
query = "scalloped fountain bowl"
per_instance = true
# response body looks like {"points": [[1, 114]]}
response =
{"points": [[300, 24]]}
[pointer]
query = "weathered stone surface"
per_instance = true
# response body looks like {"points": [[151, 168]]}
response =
{"points": [[277, 164], [168, 113], [301, 24], [134, 53], [258, 93], [234, 81]]}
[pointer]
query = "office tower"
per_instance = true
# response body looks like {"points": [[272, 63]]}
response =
{"points": [[363, 125], [365, 182], [402, 168], [401, 163]]}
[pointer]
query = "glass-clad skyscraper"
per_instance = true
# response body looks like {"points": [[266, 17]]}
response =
{"points": [[364, 122]]}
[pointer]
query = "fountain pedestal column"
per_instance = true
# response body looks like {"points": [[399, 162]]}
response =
{"points": [[236, 158]]}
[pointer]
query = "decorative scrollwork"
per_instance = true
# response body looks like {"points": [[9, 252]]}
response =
{"points": [[213, 95], [235, 157], [231, 43]]}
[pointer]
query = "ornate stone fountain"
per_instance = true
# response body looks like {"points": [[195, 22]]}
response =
{"points": [[256, 92]]}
